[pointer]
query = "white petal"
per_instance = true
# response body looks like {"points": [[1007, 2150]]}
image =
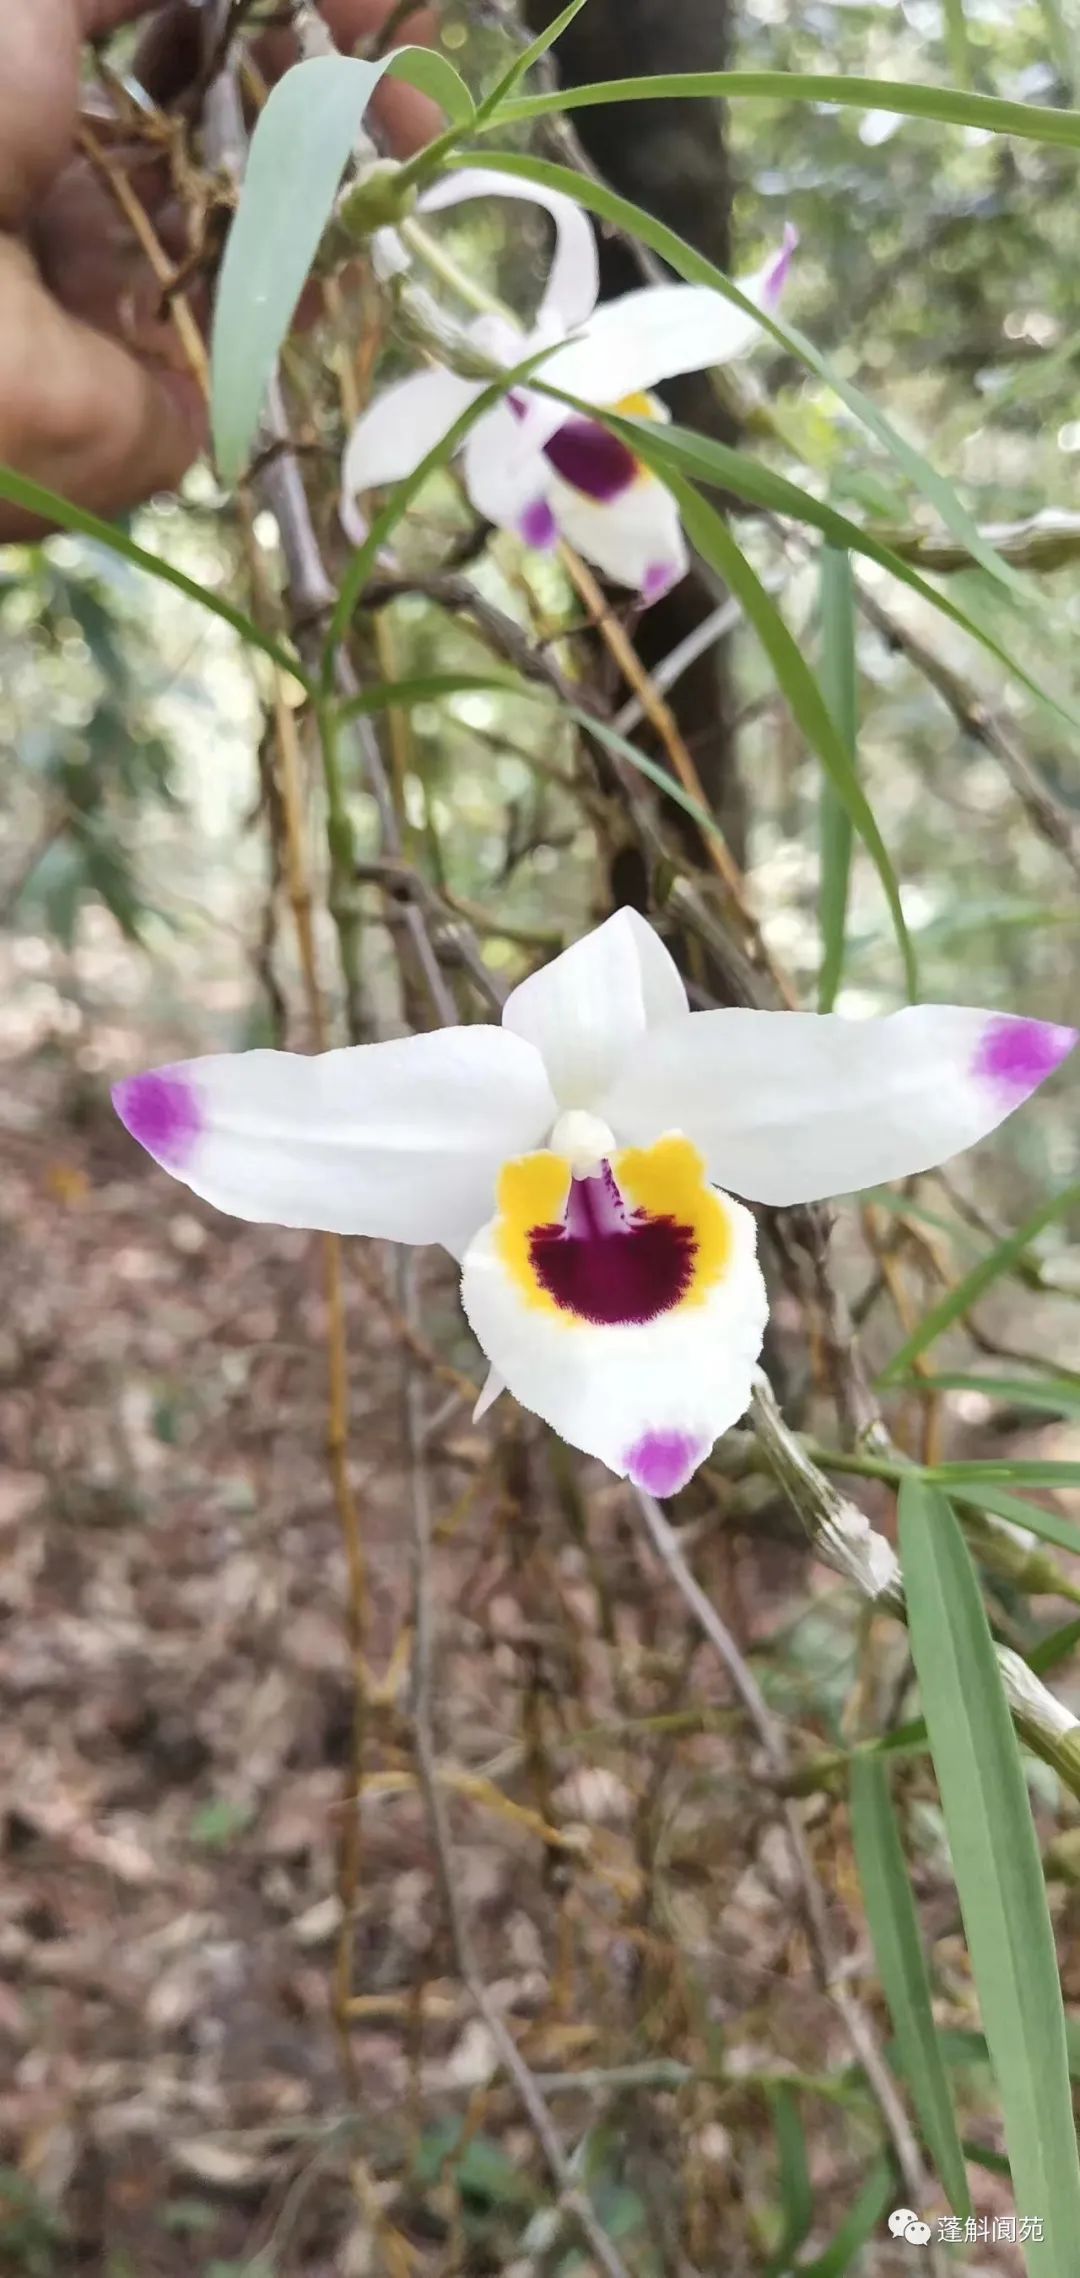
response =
{"points": [[573, 279], [647, 1397], [790, 1107], [636, 539], [507, 479], [632, 342], [401, 426], [589, 1009], [402, 1140]]}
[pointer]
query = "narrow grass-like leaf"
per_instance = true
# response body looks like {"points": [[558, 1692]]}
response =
{"points": [[1051, 1651], [898, 1951], [759, 485], [489, 110], [862, 2222], [948, 106], [34, 497], [1020, 1471], [981, 2155], [957, 42], [650, 768], [997, 1867], [693, 266], [427, 688], [840, 688], [1016, 1509], [710, 534], [796, 2190], [966, 1293], [1047, 1395]]}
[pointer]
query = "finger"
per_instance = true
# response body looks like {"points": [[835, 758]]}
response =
{"points": [[97, 17], [169, 53], [86, 249], [40, 45], [39, 79], [407, 119], [356, 21], [80, 413]]}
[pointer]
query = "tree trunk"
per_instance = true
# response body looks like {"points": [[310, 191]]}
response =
{"points": [[670, 157]]}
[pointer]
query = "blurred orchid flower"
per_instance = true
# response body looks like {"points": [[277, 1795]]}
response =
{"points": [[578, 1162], [528, 465]]}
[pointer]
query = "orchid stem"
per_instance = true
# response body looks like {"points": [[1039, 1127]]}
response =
{"points": [[442, 265], [341, 842]]}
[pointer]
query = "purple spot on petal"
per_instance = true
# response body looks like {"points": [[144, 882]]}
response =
{"points": [[538, 526], [662, 1462], [160, 1111], [1015, 1055], [777, 275], [609, 1265], [658, 580], [591, 459]]}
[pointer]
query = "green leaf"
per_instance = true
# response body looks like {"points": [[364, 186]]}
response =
{"points": [[299, 151], [966, 1293], [20, 491], [839, 687], [796, 2191], [949, 106], [901, 1962], [863, 2221], [1014, 1508], [957, 43], [1022, 1471], [428, 688], [709, 533], [656, 774], [1051, 1651], [698, 270], [1048, 1395], [759, 485], [997, 1869], [434, 75], [492, 105]]}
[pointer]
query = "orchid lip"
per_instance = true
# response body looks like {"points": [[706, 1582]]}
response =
{"points": [[591, 459], [610, 1265]]}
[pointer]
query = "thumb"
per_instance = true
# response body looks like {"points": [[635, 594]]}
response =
{"points": [[80, 413]]}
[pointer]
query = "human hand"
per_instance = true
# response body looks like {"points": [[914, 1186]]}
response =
{"points": [[97, 399]]}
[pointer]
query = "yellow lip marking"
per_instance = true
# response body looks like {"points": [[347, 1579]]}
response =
{"points": [[641, 406], [664, 1181], [668, 1180]]}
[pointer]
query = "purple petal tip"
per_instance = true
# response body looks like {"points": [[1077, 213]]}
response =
{"points": [[161, 1111], [1016, 1055], [777, 275], [662, 1462], [538, 527], [658, 580]]}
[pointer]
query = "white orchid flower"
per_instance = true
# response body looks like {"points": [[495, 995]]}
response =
{"points": [[530, 467], [579, 1161]]}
